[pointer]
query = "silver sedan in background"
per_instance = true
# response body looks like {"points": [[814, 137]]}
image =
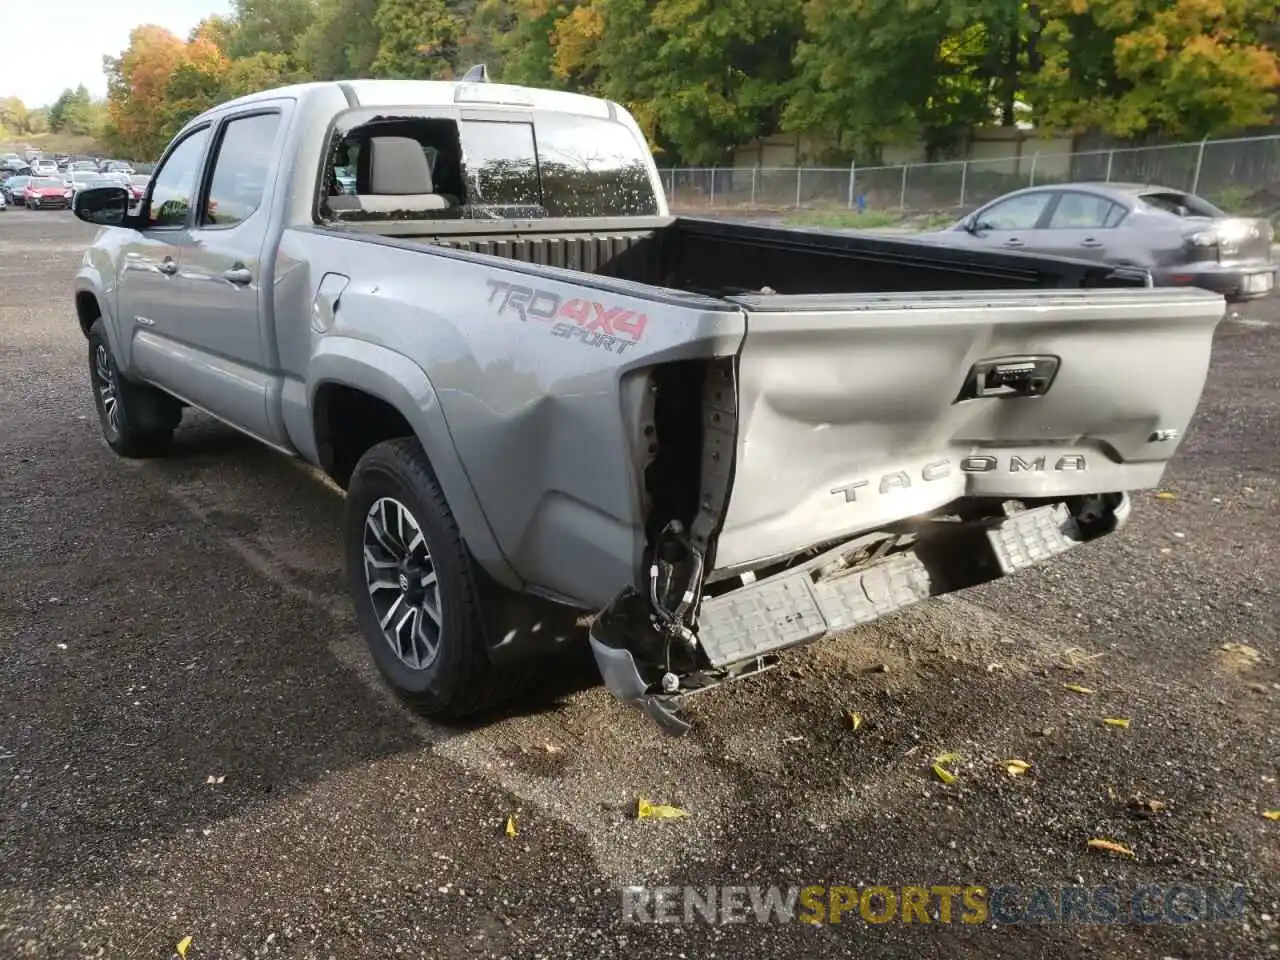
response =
{"points": [[1182, 239]]}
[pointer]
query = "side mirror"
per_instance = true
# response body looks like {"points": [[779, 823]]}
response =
{"points": [[104, 206]]}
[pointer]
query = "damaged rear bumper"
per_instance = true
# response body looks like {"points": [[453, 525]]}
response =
{"points": [[740, 632]]}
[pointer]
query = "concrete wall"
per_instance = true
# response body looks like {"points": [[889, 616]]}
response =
{"points": [[1011, 146]]}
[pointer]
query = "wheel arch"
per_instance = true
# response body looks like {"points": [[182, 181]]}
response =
{"points": [[361, 394], [88, 310]]}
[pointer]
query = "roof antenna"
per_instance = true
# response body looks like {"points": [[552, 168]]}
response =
{"points": [[477, 74]]}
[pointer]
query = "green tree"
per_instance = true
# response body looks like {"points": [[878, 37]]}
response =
{"points": [[872, 72], [216, 30], [516, 38], [701, 75], [419, 39], [14, 115], [194, 85], [342, 40], [268, 26], [71, 111], [262, 71], [1178, 68]]}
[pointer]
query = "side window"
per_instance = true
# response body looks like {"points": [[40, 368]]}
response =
{"points": [[1115, 215], [174, 183], [240, 169], [1016, 213], [501, 165], [1084, 211]]}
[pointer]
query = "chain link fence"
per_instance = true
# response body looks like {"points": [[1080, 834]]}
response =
{"points": [[1240, 175]]}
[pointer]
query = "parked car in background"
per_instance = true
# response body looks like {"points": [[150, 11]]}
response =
{"points": [[4, 204], [137, 185], [48, 193], [346, 177], [1182, 239], [117, 166], [15, 189], [44, 168]]}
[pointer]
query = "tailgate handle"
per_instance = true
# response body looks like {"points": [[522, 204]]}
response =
{"points": [[1004, 377]]}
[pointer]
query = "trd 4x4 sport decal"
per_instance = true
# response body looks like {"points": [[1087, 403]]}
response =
{"points": [[615, 329]]}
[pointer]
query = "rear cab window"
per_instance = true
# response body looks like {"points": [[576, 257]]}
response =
{"points": [[468, 166], [1180, 204]]}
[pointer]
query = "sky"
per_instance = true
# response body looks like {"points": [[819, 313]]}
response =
{"points": [[36, 72]]}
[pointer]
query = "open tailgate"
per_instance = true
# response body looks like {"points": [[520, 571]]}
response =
{"points": [[860, 411]]}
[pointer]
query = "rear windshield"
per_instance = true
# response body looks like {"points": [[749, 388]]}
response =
{"points": [[46, 182], [558, 165], [1180, 204]]}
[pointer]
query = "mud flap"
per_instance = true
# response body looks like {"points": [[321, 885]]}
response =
{"points": [[610, 633]]}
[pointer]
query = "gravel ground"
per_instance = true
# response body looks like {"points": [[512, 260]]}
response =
{"points": [[194, 744]]}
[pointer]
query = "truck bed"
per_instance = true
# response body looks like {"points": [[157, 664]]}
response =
{"points": [[720, 258]]}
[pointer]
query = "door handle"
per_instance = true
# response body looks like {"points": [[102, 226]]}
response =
{"points": [[168, 266], [1090, 242], [1014, 242], [239, 275]]}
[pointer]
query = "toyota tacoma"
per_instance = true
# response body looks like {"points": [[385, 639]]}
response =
{"points": [[549, 399]]}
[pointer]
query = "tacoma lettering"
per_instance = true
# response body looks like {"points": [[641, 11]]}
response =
{"points": [[941, 469]]}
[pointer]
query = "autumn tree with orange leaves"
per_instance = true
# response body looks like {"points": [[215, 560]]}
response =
{"points": [[1187, 68], [703, 76]]}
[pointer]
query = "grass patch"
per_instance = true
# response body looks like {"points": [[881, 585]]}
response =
{"points": [[871, 219], [51, 143], [844, 220]]}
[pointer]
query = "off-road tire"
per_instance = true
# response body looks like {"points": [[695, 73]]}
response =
{"points": [[460, 681], [145, 418]]}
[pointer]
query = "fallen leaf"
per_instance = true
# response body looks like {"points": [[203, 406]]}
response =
{"points": [[657, 811], [1166, 495], [1076, 688], [943, 774], [946, 758], [551, 747], [183, 944], [1271, 814], [1145, 806], [1120, 722], [855, 719], [1110, 846], [1016, 768], [213, 779]]}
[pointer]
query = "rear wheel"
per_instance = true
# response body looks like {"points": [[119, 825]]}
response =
{"points": [[137, 421], [414, 585]]}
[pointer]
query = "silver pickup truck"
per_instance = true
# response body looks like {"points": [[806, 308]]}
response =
{"points": [[547, 398]]}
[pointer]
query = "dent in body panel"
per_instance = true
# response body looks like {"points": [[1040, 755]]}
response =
{"points": [[537, 419], [836, 399]]}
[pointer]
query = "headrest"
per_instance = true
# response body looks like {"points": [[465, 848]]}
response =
{"points": [[397, 166]]}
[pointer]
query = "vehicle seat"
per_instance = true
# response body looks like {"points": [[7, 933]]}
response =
{"points": [[400, 178]]}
